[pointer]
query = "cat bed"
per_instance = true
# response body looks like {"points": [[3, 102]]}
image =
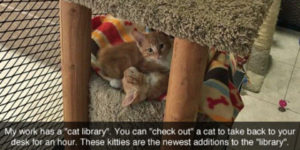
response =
{"points": [[226, 25]]}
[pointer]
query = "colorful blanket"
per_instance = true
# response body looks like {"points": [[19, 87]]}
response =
{"points": [[220, 100]]}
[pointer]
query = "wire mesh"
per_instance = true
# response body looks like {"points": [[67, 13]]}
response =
{"points": [[30, 77]]}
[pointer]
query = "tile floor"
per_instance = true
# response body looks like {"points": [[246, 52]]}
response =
{"points": [[282, 82]]}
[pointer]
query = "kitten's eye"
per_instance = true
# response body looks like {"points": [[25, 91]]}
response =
{"points": [[161, 46], [150, 50]]}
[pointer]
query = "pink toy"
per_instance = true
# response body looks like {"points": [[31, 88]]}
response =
{"points": [[282, 105]]}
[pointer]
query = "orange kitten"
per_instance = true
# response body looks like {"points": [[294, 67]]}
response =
{"points": [[141, 86], [147, 54]]}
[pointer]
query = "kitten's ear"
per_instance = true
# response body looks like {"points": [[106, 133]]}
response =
{"points": [[130, 98], [139, 37]]}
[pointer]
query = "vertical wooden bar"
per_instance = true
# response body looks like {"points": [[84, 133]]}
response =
{"points": [[75, 38], [75, 31], [186, 77]]}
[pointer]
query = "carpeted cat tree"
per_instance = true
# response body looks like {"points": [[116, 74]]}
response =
{"points": [[230, 25], [197, 25]]}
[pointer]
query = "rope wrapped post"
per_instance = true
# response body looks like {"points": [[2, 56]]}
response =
{"points": [[259, 60], [186, 77], [75, 29]]}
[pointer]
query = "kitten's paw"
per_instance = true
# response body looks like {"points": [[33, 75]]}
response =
{"points": [[115, 83], [132, 75], [131, 70]]}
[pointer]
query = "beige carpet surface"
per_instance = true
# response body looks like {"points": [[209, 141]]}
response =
{"points": [[225, 24], [105, 105]]}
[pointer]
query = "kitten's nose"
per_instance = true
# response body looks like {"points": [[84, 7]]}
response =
{"points": [[159, 51]]}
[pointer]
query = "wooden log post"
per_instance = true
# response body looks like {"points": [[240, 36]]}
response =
{"points": [[188, 67], [186, 77], [75, 38], [75, 22]]}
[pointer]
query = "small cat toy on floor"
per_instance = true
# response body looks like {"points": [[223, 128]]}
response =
{"points": [[282, 105]]}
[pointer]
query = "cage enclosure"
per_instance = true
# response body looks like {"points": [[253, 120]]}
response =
{"points": [[30, 70]]}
